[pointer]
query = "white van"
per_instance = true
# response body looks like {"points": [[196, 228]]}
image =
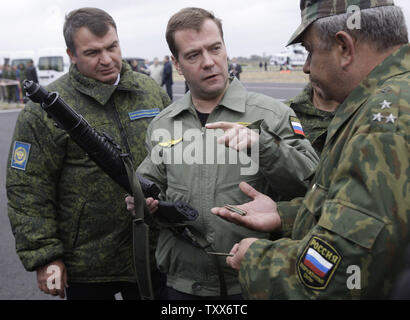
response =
{"points": [[22, 57], [52, 64]]}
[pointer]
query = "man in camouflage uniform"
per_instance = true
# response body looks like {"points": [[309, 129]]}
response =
{"points": [[64, 210], [314, 114], [346, 238]]}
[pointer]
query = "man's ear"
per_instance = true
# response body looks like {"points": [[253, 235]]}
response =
{"points": [[345, 48], [72, 56], [177, 66]]}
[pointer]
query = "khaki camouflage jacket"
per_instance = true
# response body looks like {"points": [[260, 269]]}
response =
{"points": [[60, 204], [314, 121], [346, 238], [192, 167]]}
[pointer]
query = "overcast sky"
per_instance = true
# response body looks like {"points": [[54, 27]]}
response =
{"points": [[250, 26]]}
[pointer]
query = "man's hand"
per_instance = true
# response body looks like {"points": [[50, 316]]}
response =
{"points": [[262, 214], [52, 278], [236, 136], [152, 204], [239, 250]]}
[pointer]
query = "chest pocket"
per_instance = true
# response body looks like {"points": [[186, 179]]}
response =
{"points": [[351, 223], [315, 199]]}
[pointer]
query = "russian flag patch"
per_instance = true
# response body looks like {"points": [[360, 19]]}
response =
{"points": [[317, 264], [147, 113], [296, 126]]}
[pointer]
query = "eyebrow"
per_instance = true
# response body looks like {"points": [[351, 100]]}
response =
{"points": [[91, 50], [196, 50]]}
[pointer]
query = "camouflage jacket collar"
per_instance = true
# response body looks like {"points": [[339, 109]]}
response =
{"points": [[396, 64], [100, 91], [303, 103]]}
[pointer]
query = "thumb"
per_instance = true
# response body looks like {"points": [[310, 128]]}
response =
{"points": [[248, 190]]}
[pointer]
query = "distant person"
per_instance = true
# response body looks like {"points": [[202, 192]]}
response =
{"points": [[266, 66], [31, 72], [235, 69], [156, 70], [134, 65], [9, 73], [144, 68], [260, 65], [2, 88], [167, 76], [20, 77]]}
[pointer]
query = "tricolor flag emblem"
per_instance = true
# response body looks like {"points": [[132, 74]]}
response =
{"points": [[296, 126], [317, 264]]}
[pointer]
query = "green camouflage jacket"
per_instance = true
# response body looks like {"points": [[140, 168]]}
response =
{"points": [[314, 121], [211, 178], [346, 238], [60, 204]]}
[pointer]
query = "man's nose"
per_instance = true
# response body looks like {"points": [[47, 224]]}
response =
{"points": [[208, 61], [105, 58], [306, 66]]}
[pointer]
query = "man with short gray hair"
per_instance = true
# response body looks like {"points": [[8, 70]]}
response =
{"points": [[346, 238]]}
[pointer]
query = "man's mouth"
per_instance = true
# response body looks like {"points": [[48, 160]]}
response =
{"points": [[107, 71], [210, 77]]}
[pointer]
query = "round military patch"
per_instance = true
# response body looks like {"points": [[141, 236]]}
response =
{"points": [[317, 264]]}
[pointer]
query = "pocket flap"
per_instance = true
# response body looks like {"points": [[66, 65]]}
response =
{"points": [[350, 223]]}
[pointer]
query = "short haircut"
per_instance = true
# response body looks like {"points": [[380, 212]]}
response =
{"points": [[382, 27], [188, 18], [94, 19]]}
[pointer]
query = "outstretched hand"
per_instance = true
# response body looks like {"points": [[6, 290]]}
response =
{"points": [[261, 213]]}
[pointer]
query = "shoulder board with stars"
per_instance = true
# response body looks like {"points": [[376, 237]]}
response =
{"points": [[379, 117]]}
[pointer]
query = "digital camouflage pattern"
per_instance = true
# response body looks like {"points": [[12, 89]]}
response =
{"points": [[358, 208], [284, 157], [64, 206], [312, 10], [314, 121]]}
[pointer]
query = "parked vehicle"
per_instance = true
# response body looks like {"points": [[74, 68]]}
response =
{"points": [[293, 56], [52, 64]]}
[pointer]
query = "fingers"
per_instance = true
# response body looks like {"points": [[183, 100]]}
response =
{"points": [[130, 204], [152, 204], [221, 125], [228, 215], [248, 190]]}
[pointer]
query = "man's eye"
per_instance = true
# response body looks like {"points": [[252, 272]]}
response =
{"points": [[192, 56]]}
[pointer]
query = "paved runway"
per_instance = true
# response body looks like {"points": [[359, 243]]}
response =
{"points": [[15, 282]]}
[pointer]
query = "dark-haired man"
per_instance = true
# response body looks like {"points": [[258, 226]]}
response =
{"points": [[285, 157], [66, 214]]}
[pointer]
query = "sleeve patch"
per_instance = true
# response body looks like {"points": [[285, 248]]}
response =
{"points": [[296, 126], [317, 264], [21, 152]]}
